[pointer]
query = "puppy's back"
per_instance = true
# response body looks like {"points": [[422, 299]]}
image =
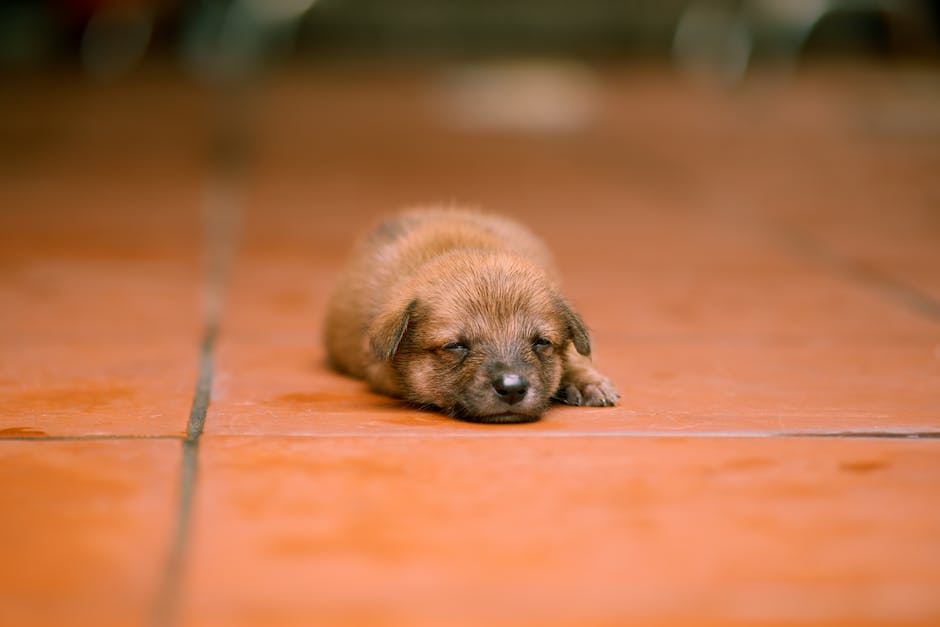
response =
{"points": [[411, 239], [394, 252]]}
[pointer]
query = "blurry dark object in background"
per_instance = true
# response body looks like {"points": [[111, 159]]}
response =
{"points": [[109, 37], [115, 38], [616, 28], [871, 28], [229, 39], [30, 33], [602, 28], [726, 38], [461, 28]]}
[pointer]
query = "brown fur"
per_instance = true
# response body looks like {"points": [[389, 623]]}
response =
{"points": [[437, 305]]}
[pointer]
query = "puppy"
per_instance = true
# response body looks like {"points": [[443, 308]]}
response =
{"points": [[461, 311]]}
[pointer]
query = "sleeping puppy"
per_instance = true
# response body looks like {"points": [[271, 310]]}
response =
{"points": [[461, 311]]}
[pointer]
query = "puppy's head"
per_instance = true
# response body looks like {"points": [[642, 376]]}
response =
{"points": [[479, 335]]}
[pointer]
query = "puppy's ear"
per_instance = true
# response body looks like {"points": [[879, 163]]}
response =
{"points": [[389, 328], [575, 327]]}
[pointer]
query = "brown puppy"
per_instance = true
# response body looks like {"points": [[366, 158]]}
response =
{"points": [[461, 311]]}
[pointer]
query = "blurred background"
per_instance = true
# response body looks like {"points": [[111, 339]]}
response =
{"points": [[110, 37]]}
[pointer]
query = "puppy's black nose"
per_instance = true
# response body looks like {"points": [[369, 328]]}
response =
{"points": [[510, 387]]}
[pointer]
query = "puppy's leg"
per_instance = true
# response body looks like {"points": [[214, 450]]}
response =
{"points": [[582, 384]]}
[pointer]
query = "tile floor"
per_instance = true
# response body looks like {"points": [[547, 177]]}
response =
{"points": [[760, 269]]}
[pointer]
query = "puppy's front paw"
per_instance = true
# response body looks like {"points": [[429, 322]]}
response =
{"points": [[594, 392]]}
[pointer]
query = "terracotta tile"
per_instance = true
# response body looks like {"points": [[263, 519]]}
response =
{"points": [[100, 255], [669, 231], [86, 528], [106, 386], [721, 245], [788, 385], [846, 161], [570, 531]]}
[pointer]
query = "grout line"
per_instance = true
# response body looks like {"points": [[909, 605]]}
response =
{"points": [[166, 611], [898, 435], [885, 435], [167, 607], [897, 291], [510, 434], [223, 210], [201, 396]]}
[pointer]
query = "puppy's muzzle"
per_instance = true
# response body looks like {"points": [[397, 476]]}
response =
{"points": [[510, 387]]}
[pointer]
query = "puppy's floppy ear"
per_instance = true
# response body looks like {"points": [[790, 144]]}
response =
{"points": [[388, 328], [575, 327]]}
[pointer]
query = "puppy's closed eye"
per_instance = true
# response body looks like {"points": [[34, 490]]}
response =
{"points": [[455, 351], [542, 345]]}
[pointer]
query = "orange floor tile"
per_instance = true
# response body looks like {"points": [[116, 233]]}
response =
{"points": [[505, 530], [86, 529], [100, 256], [760, 269]]}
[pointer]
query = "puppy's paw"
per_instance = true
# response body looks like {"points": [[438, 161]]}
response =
{"points": [[594, 392]]}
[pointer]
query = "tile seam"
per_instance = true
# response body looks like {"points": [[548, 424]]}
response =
{"points": [[897, 435], [895, 290], [639, 435], [222, 221], [166, 609], [168, 596]]}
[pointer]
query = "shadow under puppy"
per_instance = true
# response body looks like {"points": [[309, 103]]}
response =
{"points": [[461, 311]]}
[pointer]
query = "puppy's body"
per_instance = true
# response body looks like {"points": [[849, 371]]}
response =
{"points": [[461, 311]]}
